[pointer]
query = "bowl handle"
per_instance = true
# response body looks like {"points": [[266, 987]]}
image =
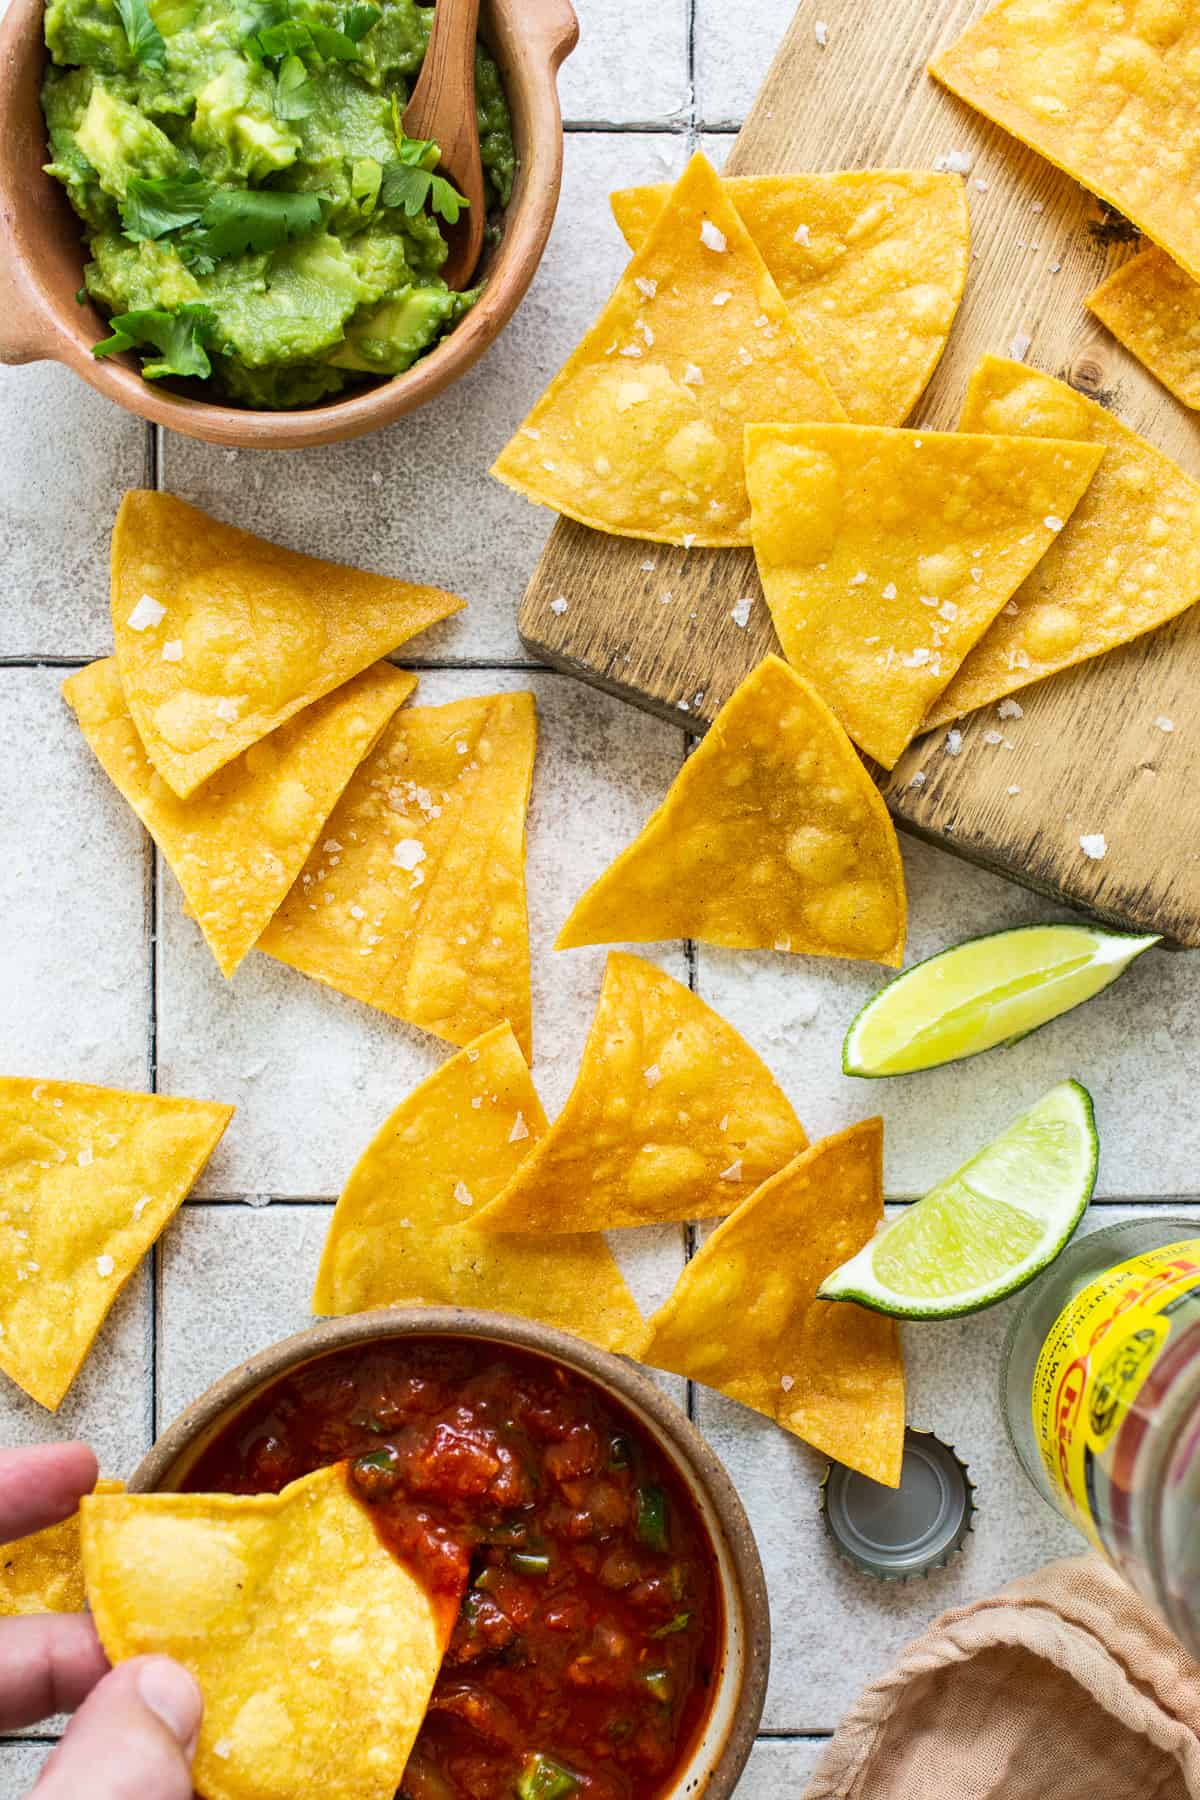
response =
{"points": [[554, 25]]}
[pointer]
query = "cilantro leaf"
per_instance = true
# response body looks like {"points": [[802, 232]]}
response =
{"points": [[334, 46], [295, 96], [178, 336], [408, 183], [156, 204], [359, 19], [145, 40], [446, 200], [283, 37], [240, 219]]}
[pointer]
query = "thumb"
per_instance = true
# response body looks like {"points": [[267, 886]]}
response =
{"points": [[132, 1739]]}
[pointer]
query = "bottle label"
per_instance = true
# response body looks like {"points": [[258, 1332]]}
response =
{"points": [[1093, 1364]]}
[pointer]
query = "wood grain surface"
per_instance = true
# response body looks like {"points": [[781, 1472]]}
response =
{"points": [[1088, 756]]}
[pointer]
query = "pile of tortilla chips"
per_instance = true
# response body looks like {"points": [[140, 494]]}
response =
{"points": [[466, 1196], [745, 302], [250, 723], [89, 1179]]}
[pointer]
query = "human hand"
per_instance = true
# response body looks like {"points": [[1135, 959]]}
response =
{"points": [[134, 1734]]}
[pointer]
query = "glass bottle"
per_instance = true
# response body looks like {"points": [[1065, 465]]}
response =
{"points": [[1100, 1386]]}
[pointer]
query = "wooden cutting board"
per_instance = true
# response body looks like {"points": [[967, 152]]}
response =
{"points": [[1088, 755]]}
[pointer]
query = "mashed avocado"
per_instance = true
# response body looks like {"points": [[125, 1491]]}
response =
{"points": [[255, 215]]}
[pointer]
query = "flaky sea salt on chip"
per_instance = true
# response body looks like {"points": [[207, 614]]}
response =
{"points": [[885, 555], [241, 634], [772, 836], [1153, 307], [640, 432], [871, 262], [745, 1317], [1127, 560], [43, 1573], [401, 1233], [1104, 89], [315, 1648], [414, 900], [238, 843], [89, 1178], [672, 1116]]}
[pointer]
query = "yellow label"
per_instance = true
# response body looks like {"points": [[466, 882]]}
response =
{"points": [[1094, 1361]]}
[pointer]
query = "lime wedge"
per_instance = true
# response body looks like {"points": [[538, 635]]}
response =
{"points": [[991, 990], [988, 1228]]}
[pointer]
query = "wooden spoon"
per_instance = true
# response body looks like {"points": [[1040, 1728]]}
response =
{"points": [[442, 107]]}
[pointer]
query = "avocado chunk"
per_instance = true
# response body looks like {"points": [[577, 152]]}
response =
{"points": [[235, 127], [119, 141], [389, 338]]}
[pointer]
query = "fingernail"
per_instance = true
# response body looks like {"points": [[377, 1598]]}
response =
{"points": [[172, 1696]]}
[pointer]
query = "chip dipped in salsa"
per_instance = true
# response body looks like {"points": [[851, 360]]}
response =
{"points": [[586, 1645]]}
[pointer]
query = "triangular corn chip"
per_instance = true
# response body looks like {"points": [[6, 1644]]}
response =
{"points": [[1153, 307], [1128, 559], [1104, 89], [745, 1317], [772, 836], [885, 555], [315, 1648], [237, 845], [640, 432], [89, 1177], [43, 1573], [221, 636], [871, 262], [415, 900], [401, 1231], [672, 1116]]}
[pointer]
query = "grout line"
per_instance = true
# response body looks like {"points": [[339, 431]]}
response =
{"points": [[418, 666], [784, 1736], [156, 462], [678, 125], [693, 124]]}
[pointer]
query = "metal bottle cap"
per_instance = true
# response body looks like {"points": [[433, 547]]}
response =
{"points": [[897, 1533]]}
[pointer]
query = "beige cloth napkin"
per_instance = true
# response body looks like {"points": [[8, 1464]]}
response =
{"points": [[1062, 1687]]}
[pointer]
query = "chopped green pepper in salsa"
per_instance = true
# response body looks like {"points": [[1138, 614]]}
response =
{"points": [[584, 1651], [255, 215]]}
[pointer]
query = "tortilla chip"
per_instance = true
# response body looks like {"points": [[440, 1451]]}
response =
{"points": [[89, 1178], [1104, 91], [772, 836], [401, 1232], [43, 1573], [871, 262], [672, 1116], [237, 845], [640, 432], [316, 1650], [415, 900], [221, 636], [885, 555], [1128, 560], [1153, 308], [745, 1317]]}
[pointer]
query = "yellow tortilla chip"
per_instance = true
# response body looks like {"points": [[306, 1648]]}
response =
{"points": [[415, 899], [745, 1317], [401, 1232], [871, 262], [885, 555], [221, 636], [236, 846], [640, 432], [772, 836], [1153, 308], [1104, 89], [43, 1573], [1128, 559], [316, 1650], [672, 1116], [89, 1178]]}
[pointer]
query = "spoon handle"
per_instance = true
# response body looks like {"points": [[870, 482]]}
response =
{"points": [[445, 89]]}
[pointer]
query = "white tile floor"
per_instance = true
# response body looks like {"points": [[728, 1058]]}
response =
{"points": [[102, 977]]}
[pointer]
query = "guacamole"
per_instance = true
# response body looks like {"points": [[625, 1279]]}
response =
{"points": [[255, 215]]}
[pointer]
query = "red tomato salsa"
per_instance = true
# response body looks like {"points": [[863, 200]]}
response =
{"points": [[584, 1651]]}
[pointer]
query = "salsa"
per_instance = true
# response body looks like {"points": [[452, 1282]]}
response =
{"points": [[587, 1612], [255, 215]]}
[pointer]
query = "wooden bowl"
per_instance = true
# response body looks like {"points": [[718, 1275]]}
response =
{"points": [[42, 251], [719, 1754]]}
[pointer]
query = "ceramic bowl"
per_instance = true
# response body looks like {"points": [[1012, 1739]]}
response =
{"points": [[42, 251], [719, 1754]]}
